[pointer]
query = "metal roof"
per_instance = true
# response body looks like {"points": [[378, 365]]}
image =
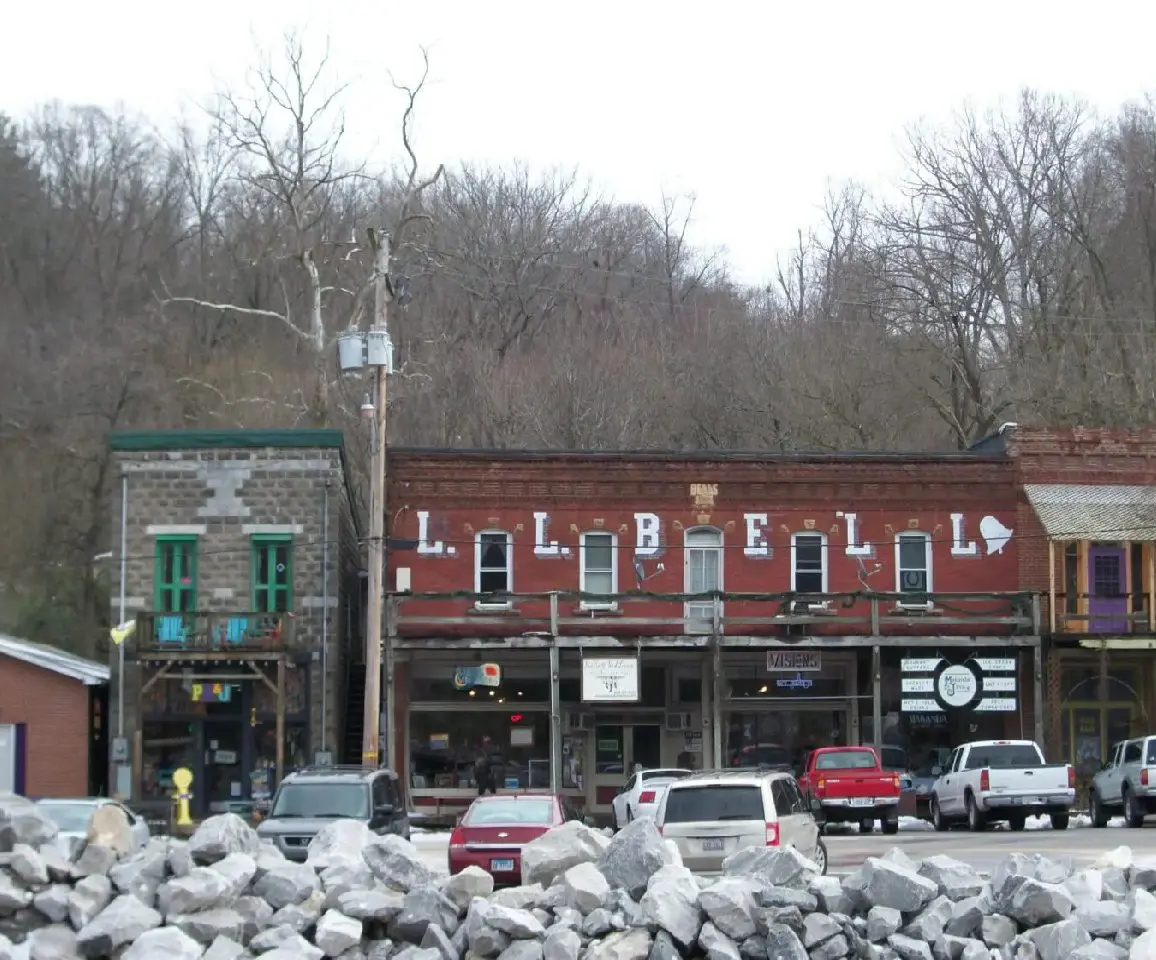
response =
{"points": [[1078, 511], [88, 672]]}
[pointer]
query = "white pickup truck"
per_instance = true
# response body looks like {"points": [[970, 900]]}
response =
{"points": [[1002, 780]]}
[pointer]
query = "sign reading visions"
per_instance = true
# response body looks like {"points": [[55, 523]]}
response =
{"points": [[982, 684]]}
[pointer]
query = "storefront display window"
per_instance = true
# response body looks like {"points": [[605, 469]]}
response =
{"points": [[444, 746], [782, 737], [165, 748]]}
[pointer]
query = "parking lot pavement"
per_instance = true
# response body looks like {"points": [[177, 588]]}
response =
{"points": [[984, 850]]}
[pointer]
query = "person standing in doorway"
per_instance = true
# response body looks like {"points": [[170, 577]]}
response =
{"points": [[483, 772]]}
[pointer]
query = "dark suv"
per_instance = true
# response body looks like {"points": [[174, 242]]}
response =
{"points": [[310, 798]]}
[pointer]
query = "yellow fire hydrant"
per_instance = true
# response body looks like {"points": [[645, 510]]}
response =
{"points": [[182, 780]]}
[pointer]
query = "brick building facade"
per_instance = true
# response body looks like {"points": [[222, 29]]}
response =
{"points": [[241, 571], [52, 721], [751, 606]]}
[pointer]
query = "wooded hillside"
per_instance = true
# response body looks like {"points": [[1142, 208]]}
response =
{"points": [[168, 278]]}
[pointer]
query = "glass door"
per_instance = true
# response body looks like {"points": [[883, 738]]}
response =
{"points": [[617, 749]]}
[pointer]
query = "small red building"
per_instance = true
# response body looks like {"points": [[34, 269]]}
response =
{"points": [[586, 612], [52, 740]]}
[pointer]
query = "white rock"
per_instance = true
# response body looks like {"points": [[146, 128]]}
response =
{"points": [[556, 851], [337, 933], [164, 943], [585, 888]]}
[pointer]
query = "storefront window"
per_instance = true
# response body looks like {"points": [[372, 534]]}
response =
{"points": [[165, 748], [512, 690], [782, 736], [444, 746]]}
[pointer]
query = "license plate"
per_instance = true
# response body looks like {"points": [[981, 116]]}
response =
{"points": [[502, 866], [713, 846], [862, 801]]}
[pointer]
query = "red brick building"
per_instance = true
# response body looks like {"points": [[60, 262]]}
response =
{"points": [[52, 741], [1087, 543], [587, 612]]}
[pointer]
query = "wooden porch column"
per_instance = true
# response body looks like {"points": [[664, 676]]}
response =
{"points": [[1052, 585], [280, 718], [708, 760], [1150, 578]]}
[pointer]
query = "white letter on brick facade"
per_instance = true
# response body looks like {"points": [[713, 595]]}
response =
{"points": [[648, 542], [960, 547], [757, 545], [424, 547], [854, 547], [542, 546]]}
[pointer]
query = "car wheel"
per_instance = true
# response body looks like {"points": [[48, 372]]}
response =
{"points": [[1059, 821], [866, 826], [937, 820], [821, 857], [891, 827], [1017, 823], [1132, 816], [1099, 814], [975, 820]]}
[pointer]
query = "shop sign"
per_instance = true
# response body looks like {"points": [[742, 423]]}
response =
{"points": [[610, 680], [797, 682], [794, 661], [211, 693], [974, 685], [477, 675]]}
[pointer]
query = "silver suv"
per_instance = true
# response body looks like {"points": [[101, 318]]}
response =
{"points": [[714, 814], [1126, 784], [309, 799]]}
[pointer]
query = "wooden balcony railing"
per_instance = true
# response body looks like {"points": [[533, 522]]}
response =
{"points": [[212, 633], [1125, 614], [829, 614]]}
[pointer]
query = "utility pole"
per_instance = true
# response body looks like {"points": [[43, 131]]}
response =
{"points": [[371, 735]]}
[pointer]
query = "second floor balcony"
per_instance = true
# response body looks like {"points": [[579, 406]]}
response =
{"points": [[211, 634], [641, 614]]}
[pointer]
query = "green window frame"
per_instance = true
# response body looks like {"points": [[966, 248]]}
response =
{"points": [[272, 573], [175, 575]]}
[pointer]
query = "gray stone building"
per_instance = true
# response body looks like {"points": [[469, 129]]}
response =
{"points": [[241, 576]]}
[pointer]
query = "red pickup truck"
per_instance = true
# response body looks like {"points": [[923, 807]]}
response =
{"points": [[848, 785]]}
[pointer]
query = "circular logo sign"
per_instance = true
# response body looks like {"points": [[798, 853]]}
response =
{"points": [[957, 686]]}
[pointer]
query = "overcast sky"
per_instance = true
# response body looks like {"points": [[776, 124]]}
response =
{"points": [[755, 107]]}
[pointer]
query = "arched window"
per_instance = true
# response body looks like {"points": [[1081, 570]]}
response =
{"points": [[494, 567]]}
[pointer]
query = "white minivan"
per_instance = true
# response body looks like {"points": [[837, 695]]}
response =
{"points": [[714, 814]]}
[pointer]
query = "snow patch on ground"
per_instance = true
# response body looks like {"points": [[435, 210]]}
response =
{"points": [[919, 825]]}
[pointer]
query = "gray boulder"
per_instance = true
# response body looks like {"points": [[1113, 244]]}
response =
{"points": [[584, 888], [205, 926], [396, 863], [28, 865], [287, 885], [337, 933], [339, 842], [164, 943], [1057, 941], [1033, 903], [471, 882], [200, 889], [424, 906], [954, 879], [557, 850], [880, 883], [88, 898], [633, 856], [220, 835], [784, 867], [122, 921], [730, 905], [671, 904], [21, 821]]}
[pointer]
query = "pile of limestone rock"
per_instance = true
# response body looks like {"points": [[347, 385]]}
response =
{"points": [[224, 894]]}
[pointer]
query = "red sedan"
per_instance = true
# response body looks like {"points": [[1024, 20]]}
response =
{"points": [[494, 829]]}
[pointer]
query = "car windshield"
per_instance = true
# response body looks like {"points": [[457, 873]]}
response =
{"points": [[1004, 755], [536, 813], [713, 802], [846, 760], [69, 817], [322, 800]]}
